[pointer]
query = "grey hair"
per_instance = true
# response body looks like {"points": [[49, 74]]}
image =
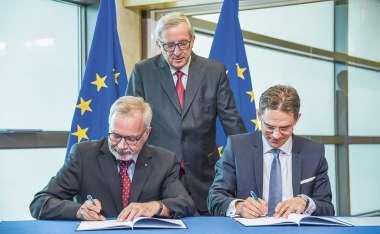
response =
{"points": [[124, 105], [280, 97], [170, 20]]}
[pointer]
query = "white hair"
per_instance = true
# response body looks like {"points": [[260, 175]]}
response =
{"points": [[170, 20], [124, 105]]}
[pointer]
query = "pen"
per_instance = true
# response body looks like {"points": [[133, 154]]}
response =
{"points": [[89, 197], [253, 195]]}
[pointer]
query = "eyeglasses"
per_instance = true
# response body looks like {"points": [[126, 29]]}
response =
{"points": [[285, 130], [130, 140], [170, 46]]}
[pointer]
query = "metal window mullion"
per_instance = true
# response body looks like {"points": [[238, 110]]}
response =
{"points": [[343, 197]]}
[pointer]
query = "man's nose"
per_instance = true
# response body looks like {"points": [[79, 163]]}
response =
{"points": [[123, 143], [276, 133], [177, 50]]}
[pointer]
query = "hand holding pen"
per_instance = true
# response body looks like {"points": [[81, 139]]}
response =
{"points": [[90, 210], [264, 205], [251, 207]]}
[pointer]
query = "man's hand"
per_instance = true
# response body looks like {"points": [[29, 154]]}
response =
{"points": [[89, 211], [291, 205], [250, 208], [134, 210]]}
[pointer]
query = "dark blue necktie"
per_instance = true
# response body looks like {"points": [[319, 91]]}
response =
{"points": [[275, 182]]}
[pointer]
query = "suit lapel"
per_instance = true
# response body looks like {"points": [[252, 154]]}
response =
{"points": [[108, 167], [167, 83], [194, 81], [258, 161], [296, 166], [143, 169]]}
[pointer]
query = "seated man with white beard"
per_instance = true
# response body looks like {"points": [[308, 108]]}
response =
{"points": [[125, 177]]}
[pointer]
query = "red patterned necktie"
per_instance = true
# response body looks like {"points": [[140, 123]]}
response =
{"points": [[181, 168], [125, 181], [179, 88]]}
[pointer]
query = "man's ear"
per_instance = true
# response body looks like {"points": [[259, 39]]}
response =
{"points": [[158, 44], [148, 130]]}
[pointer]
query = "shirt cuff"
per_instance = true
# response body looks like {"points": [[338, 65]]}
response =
{"points": [[231, 211], [311, 207]]}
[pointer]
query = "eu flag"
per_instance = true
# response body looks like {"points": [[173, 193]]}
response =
{"points": [[228, 48], [104, 80]]}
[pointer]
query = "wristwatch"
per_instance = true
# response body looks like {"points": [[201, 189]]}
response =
{"points": [[157, 214]]}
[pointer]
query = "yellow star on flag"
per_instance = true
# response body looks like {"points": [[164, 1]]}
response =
{"points": [[80, 133], [100, 82], [84, 106], [251, 94], [240, 71], [220, 150], [116, 76], [256, 123]]}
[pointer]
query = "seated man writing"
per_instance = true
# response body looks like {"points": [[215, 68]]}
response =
{"points": [[272, 171], [126, 177]]}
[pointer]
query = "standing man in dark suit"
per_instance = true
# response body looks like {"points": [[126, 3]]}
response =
{"points": [[286, 173], [187, 94], [127, 177]]}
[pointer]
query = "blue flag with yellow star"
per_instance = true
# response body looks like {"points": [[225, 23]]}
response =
{"points": [[228, 48], [104, 80]]}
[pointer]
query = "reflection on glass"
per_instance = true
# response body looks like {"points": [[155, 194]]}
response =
{"points": [[363, 102], [364, 178]]}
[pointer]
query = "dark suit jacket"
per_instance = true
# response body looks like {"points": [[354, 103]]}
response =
{"points": [[190, 133], [240, 170], [93, 170]]}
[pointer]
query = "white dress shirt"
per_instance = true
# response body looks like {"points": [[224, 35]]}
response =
{"points": [[286, 168], [184, 70]]}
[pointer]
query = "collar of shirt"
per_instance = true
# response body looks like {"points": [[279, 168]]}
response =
{"points": [[286, 148], [131, 168], [185, 70]]}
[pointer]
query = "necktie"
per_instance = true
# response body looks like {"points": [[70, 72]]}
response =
{"points": [[125, 181], [181, 168], [179, 88], [275, 182]]}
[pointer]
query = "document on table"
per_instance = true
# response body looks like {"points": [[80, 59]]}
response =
{"points": [[141, 222], [361, 221], [295, 219]]}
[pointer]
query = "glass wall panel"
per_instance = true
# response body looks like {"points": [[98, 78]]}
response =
{"points": [[363, 29], [363, 102], [364, 178], [312, 78], [39, 64], [330, 157], [23, 173], [91, 13], [310, 24]]}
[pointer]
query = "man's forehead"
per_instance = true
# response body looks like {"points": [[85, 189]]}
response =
{"points": [[277, 115]]}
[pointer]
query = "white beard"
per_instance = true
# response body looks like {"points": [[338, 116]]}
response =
{"points": [[124, 157]]}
